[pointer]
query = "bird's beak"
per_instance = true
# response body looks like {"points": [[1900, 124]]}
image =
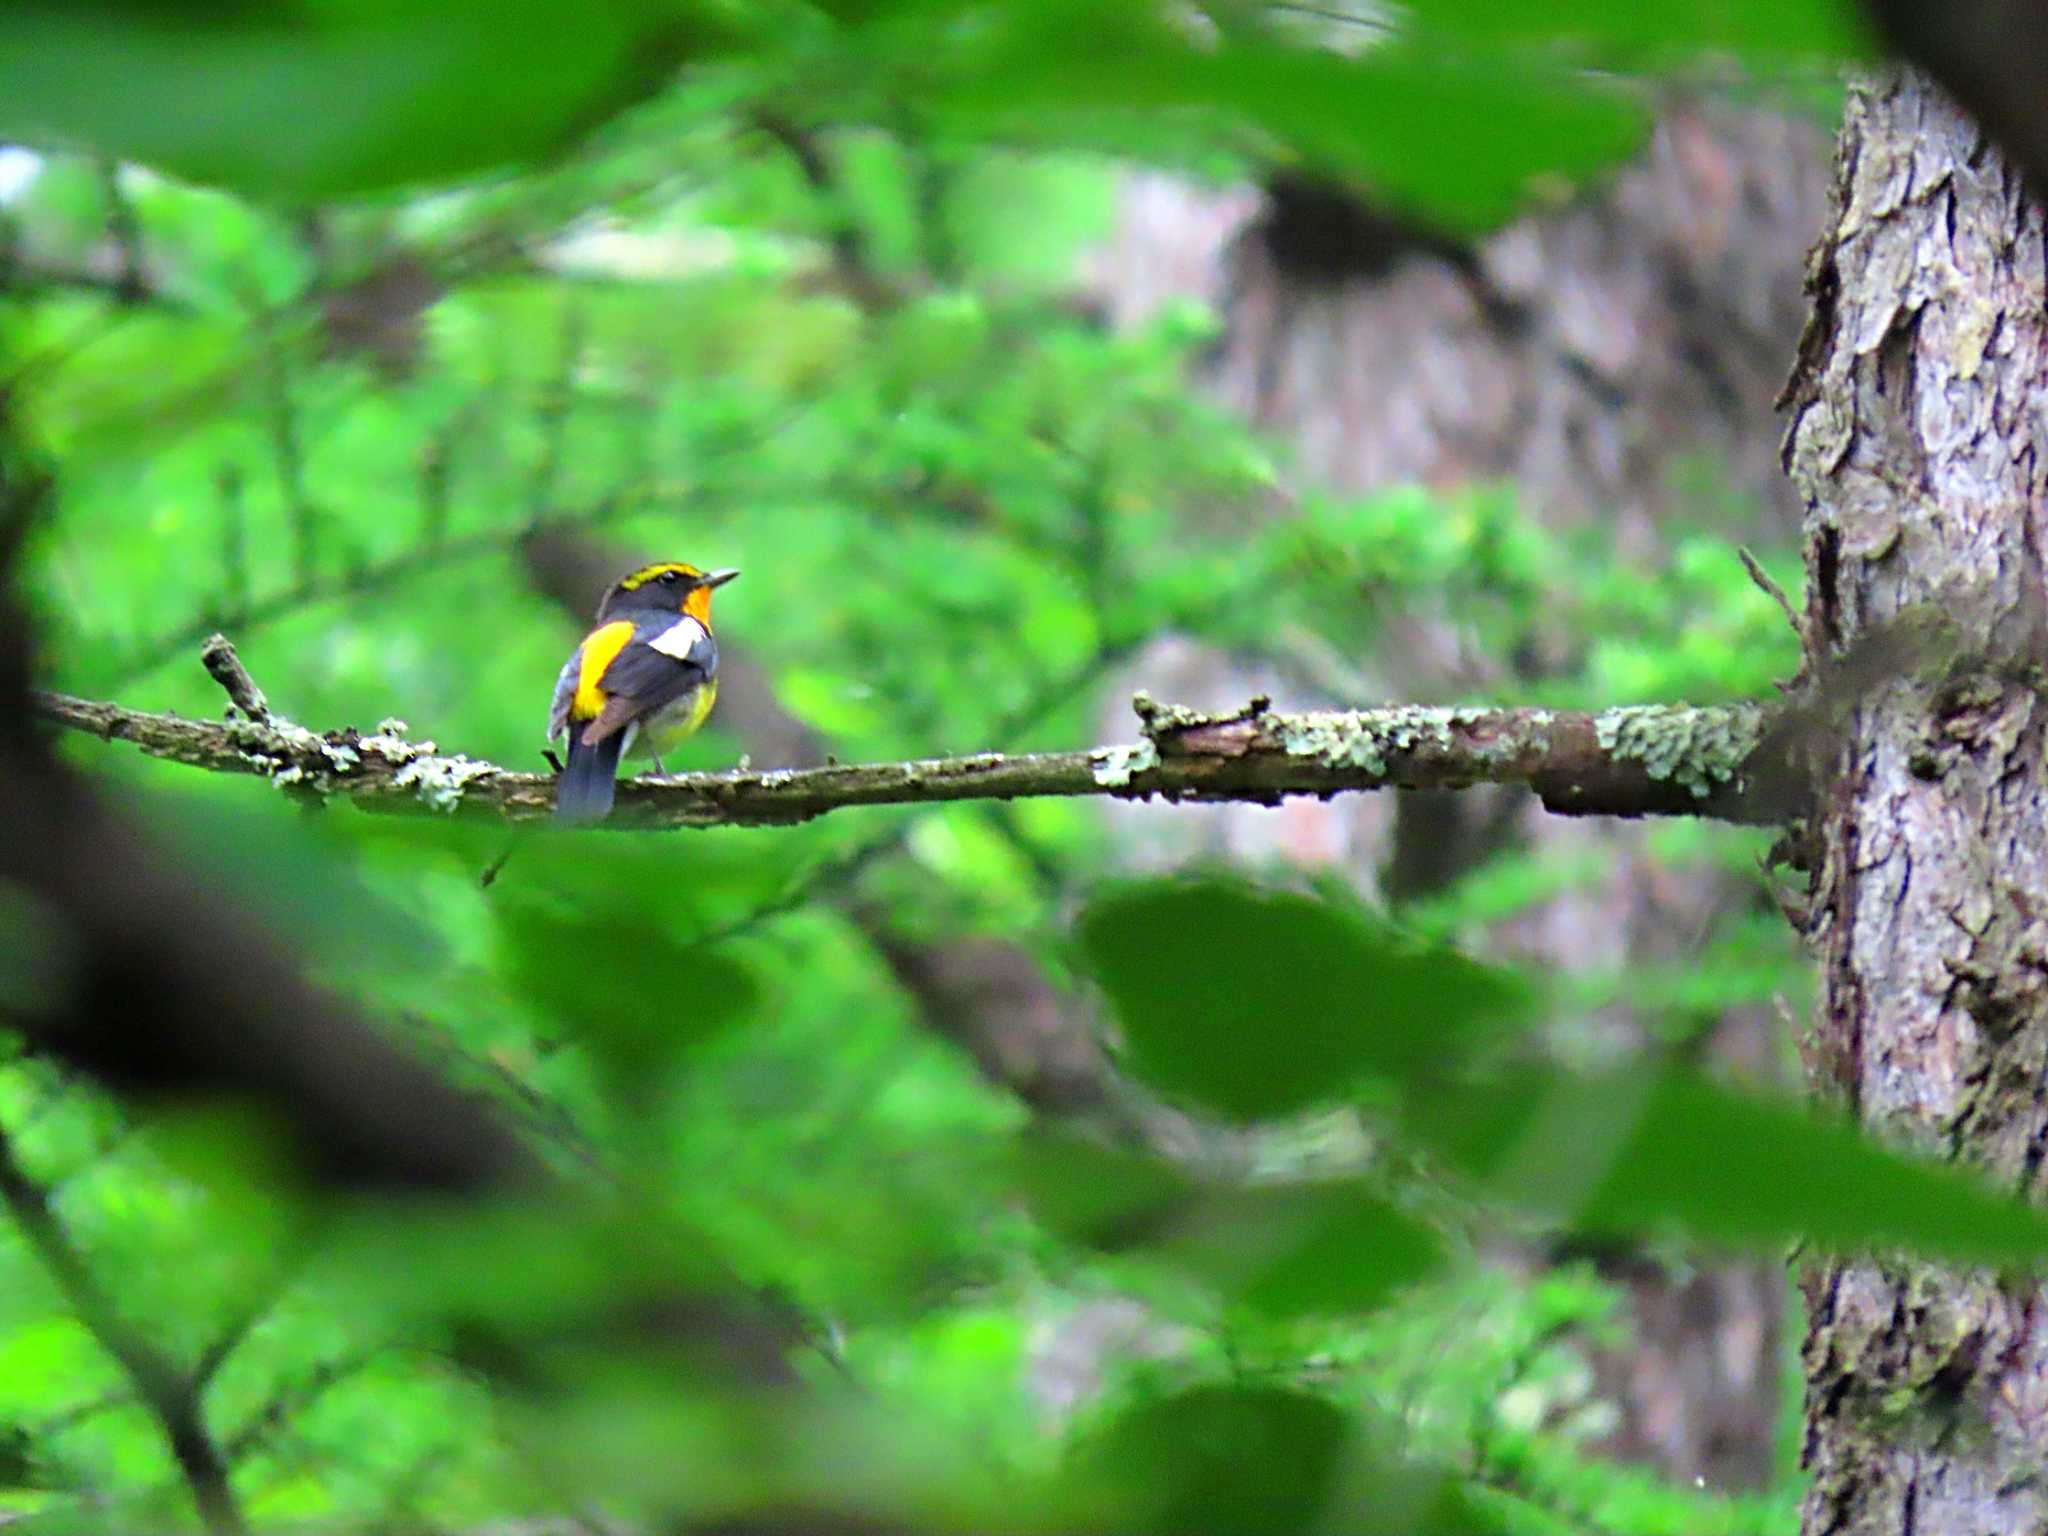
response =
{"points": [[718, 578]]}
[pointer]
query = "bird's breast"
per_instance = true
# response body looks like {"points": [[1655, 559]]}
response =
{"points": [[668, 727]]}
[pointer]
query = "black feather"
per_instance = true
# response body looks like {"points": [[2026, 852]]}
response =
{"points": [[584, 791], [651, 678]]}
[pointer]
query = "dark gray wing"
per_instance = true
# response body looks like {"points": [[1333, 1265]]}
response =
{"points": [[665, 659]]}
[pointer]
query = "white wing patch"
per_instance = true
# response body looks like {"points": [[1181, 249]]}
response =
{"points": [[680, 639]]}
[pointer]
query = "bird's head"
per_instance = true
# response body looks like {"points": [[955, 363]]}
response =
{"points": [[669, 585]]}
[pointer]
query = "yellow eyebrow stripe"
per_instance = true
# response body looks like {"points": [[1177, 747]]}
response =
{"points": [[601, 648], [648, 573]]}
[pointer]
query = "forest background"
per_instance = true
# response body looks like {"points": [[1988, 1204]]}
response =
{"points": [[1417, 1161]]}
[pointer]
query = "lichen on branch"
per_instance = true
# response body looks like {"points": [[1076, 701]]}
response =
{"points": [[1643, 761]]}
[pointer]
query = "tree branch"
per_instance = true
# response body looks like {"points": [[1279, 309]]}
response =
{"points": [[869, 288], [172, 1395], [225, 667], [287, 1402], [1643, 761]]}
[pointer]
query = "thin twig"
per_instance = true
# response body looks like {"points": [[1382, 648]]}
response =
{"points": [[1769, 587], [547, 1117], [867, 285], [225, 667], [816, 884], [267, 1420], [488, 877], [171, 1396], [77, 1414], [238, 1327]]}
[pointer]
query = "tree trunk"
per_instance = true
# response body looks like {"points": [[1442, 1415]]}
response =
{"points": [[1916, 441]]}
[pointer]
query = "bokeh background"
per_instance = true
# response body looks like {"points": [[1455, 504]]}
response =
{"points": [[928, 1168]]}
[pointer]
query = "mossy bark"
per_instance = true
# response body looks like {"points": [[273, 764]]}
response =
{"points": [[1661, 760], [1916, 438]]}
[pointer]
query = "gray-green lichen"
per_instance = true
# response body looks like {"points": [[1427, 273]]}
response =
{"points": [[1339, 740], [290, 754], [1365, 740], [1169, 719], [1696, 748], [1114, 767], [440, 781], [392, 746]]}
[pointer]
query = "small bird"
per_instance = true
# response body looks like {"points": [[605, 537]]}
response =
{"points": [[641, 681]]}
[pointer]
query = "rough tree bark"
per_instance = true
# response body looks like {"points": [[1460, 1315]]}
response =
{"points": [[1916, 438], [1642, 760]]}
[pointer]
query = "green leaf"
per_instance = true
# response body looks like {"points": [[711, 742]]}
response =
{"points": [[1761, 31], [1463, 141], [1304, 1250], [1326, 1248], [1225, 1459], [1239, 1459], [312, 101], [1255, 1004], [623, 988], [1101, 1197], [1619, 1152]]}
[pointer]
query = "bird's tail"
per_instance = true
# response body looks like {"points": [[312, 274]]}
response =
{"points": [[584, 791]]}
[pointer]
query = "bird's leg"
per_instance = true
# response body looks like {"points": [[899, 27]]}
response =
{"points": [[659, 771]]}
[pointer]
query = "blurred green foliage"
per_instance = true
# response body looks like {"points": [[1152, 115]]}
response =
{"points": [[1458, 110], [808, 313]]}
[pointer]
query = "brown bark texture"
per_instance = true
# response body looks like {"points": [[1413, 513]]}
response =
{"points": [[1916, 439], [1645, 760]]}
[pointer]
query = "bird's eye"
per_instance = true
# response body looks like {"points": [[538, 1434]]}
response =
{"points": [[669, 578]]}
